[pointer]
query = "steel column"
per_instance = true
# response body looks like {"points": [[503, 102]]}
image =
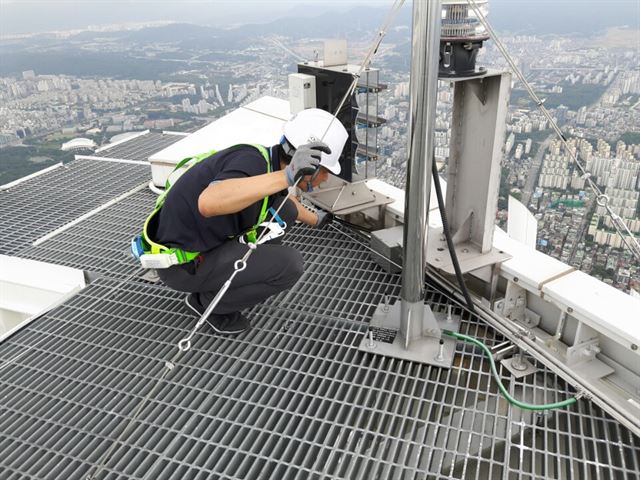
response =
{"points": [[423, 86]]}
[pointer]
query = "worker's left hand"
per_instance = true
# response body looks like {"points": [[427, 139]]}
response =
{"points": [[324, 218]]}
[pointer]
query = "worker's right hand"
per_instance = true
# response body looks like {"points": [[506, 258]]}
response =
{"points": [[324, 219], [305, 161]]}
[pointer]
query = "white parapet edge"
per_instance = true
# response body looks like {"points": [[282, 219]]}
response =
{"points": [[111, 202], [33, 317], [40, 276], [7, 186]]}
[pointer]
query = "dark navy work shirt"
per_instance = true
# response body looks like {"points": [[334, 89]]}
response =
{"points": [[180, 223]]}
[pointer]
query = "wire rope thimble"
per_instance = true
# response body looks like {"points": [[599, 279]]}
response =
{"points": [[184, 345], [602, 200], [239, 265], [252, 246]]}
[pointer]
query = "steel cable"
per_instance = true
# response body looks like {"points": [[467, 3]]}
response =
{"points": [[603, 200]]}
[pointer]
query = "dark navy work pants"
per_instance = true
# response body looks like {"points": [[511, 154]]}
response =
{"points": [[271, 268]]}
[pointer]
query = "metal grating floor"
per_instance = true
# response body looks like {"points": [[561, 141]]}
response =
{"points": [[293, 398], [140, 148], [44, 203], [100, 243]]}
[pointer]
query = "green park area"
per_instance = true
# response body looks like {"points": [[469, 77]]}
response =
{"points": [[36, 154], [630, 138], [572, 96]]}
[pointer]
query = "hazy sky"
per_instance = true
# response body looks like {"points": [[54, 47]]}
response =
{"points": [[25, 16], [30, 16]]}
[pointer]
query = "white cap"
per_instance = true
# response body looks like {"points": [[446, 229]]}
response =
{"points": [[309, 126]]}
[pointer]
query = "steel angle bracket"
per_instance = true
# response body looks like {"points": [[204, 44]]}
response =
{"points": [[386, 337], [469, 254]]}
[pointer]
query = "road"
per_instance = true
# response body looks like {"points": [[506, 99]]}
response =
{"points": [[582, 230], [536, 163]]}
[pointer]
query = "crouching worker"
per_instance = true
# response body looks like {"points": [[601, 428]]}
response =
{"points": [[219, 203]]}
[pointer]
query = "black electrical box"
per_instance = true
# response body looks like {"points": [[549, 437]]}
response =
{"points": [[331, 87]]}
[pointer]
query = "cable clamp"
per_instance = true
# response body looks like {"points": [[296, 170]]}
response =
{"points": [[583, 394]]}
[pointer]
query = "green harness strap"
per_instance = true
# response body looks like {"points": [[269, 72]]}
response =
{"points": [[184, 256]]}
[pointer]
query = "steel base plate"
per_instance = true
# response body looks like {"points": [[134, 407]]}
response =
{"points": [[521, 369], [384, 338]]}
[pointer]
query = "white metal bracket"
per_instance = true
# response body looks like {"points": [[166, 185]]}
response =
{"points": [[514, 304]]}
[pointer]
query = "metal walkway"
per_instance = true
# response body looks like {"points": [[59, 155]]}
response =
{"points": [[292, 398], [99, 244], [139, 148], [35, 207]]}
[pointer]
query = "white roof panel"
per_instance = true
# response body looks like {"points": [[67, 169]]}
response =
{"points": [[532, 268], [258, 122], [274, 107]]}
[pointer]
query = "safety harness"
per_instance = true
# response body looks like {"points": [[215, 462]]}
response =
{"points": [[153, 255]]}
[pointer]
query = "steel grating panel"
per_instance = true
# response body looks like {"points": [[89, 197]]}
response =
{"points": [[39, 205], [293, 398], [140, 148], [351, 285], [100, 243]]}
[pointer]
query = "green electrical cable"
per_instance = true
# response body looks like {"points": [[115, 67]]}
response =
{"points": [[503, 390]]}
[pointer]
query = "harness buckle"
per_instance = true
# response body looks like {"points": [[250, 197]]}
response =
{"points": [[158, 260], [275, 230]]}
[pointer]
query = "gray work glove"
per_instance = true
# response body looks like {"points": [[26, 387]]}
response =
{"points": [[305, 161], [324, 219]]}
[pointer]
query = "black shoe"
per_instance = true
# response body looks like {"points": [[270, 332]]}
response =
{"points": [[226, 324], [193, 303], [229, 323]]}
